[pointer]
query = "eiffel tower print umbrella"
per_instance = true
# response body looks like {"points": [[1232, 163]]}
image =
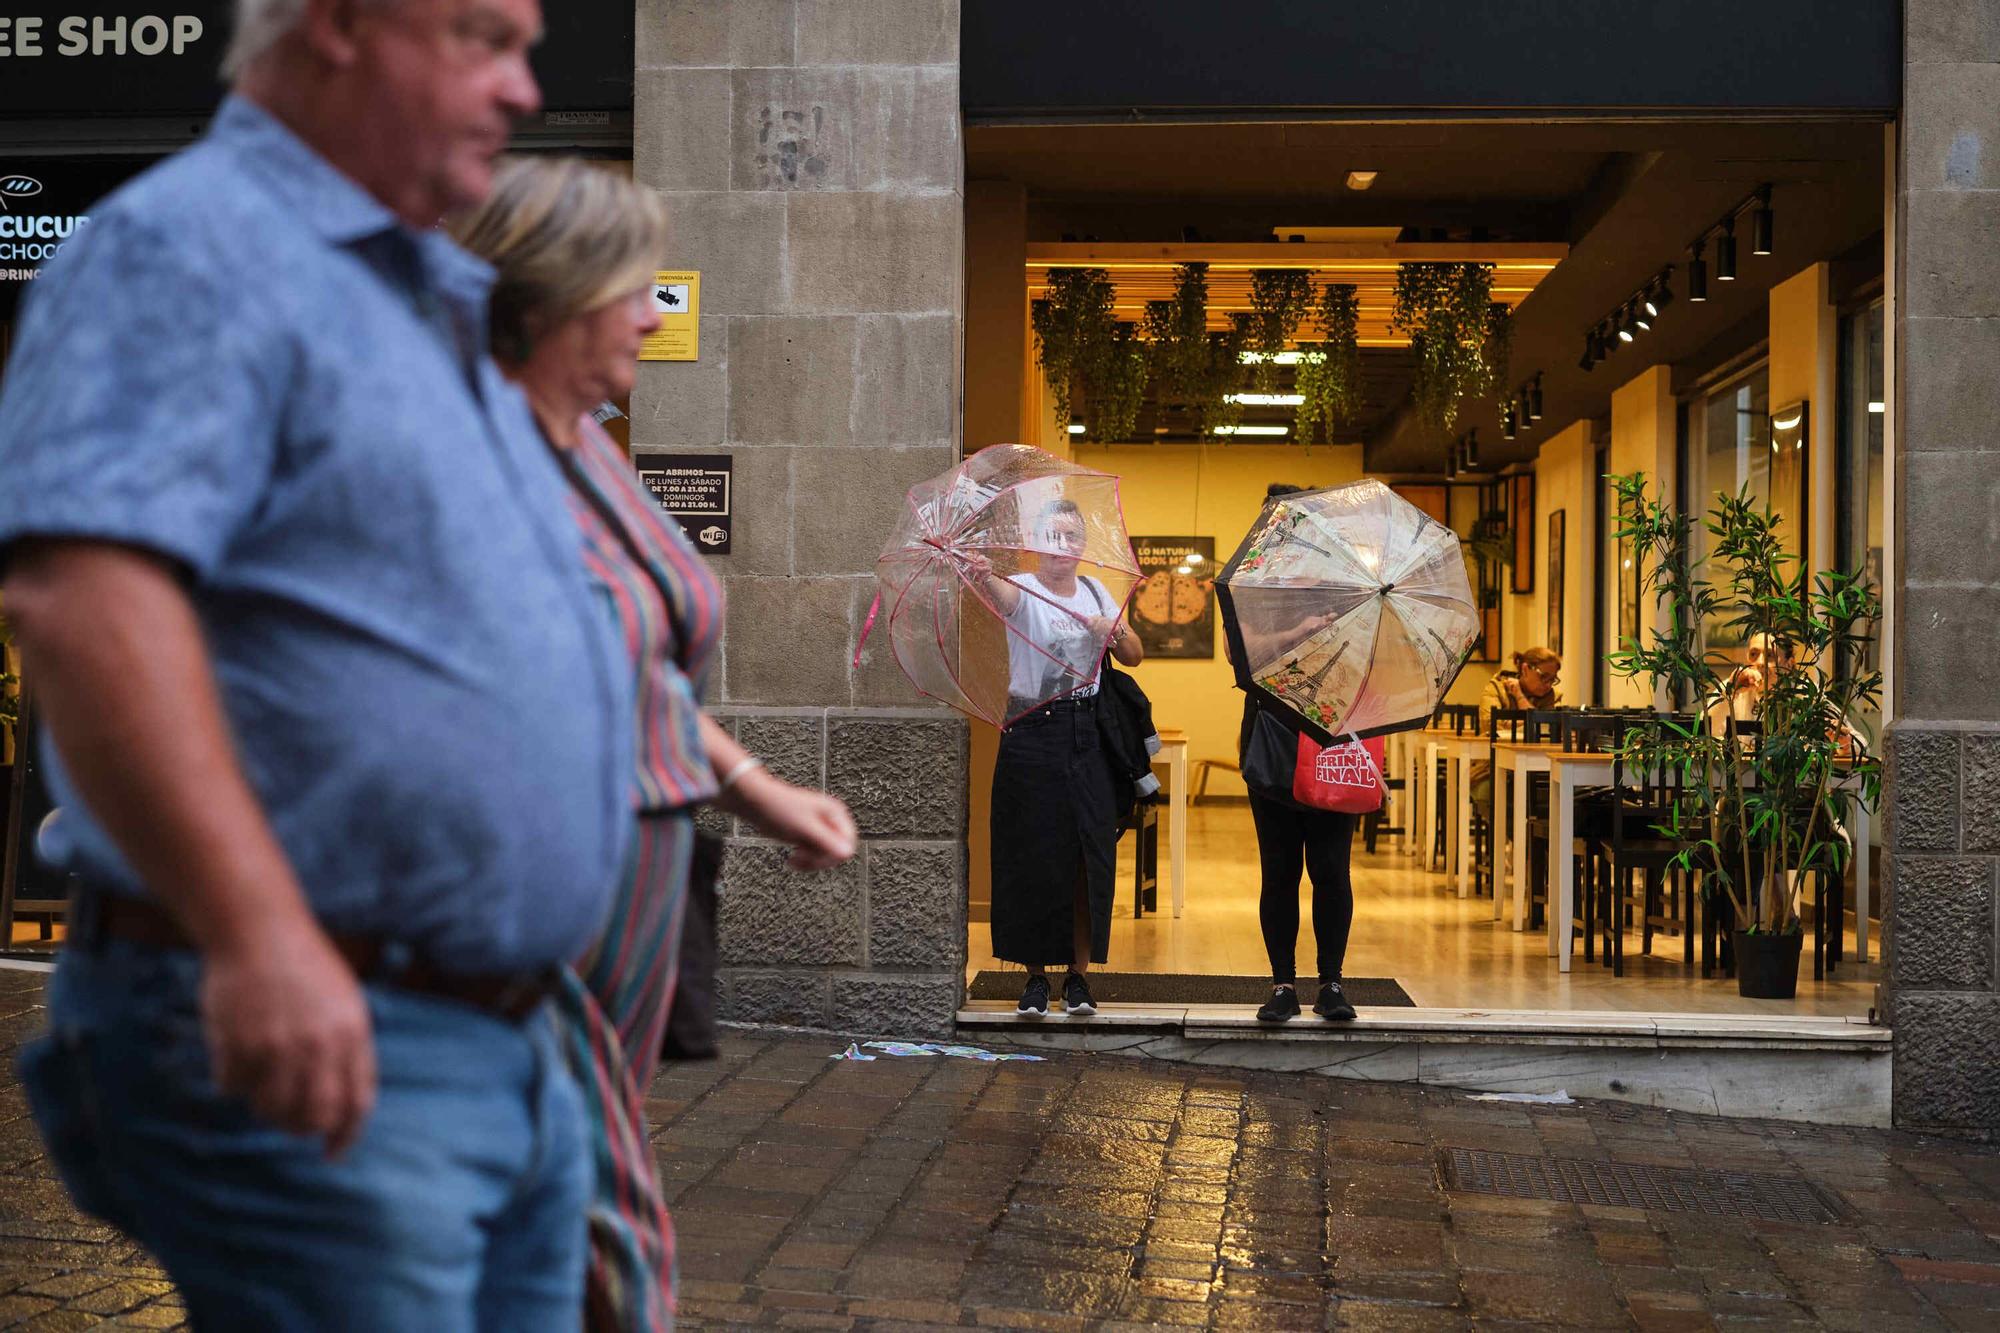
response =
{"points": [[1003, 580], [1349, 609]]}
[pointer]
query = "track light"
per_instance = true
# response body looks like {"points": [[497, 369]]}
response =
{"points": [[1472, 448], [1535, 399], [1762, 224], [1628, 328], [1725, 253], [1640, 315], [1697, 275], [1508, 430], [1663, 289], [1587, 362]]}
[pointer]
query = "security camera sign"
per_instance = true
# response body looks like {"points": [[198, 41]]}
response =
{"points": [[697, 491], [677, 304]]}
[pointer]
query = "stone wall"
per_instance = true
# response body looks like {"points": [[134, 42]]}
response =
{"points": [[809, 151], [1944, 751]]}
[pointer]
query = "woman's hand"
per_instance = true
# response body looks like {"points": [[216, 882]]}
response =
{"points": [[819, 828]]}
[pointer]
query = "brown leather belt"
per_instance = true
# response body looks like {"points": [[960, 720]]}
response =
{"points": [[96, 917]]}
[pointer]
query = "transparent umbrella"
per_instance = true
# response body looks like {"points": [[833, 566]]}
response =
{"points": [[1350, 609], [1003, 580]]}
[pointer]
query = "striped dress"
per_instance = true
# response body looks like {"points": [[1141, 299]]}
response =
{"points": [[614, 1000]]}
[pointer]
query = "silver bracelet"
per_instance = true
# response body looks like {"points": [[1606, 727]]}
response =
{"points": [[743, 766]]}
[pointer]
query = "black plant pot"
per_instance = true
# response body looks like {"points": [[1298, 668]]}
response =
{"points": [[1767, 966]]}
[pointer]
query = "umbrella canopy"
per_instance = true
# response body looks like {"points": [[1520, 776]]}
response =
{"points": [[1003, 580], [1350, 609]]}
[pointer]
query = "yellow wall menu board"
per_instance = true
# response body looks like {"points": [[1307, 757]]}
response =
{"points": [[677, 301]]}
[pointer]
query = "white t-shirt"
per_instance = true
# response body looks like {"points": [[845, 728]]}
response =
{"points": [[1062, 634]]}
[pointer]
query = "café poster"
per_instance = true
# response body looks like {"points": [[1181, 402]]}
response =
{"points": [[1174, 610]]}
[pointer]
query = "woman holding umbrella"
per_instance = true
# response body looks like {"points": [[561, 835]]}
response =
{"points": [[1054, 810], [1291, 841], [1349, 613]]}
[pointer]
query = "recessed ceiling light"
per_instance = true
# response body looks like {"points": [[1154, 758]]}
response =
{"points": [[1252, 430], [1360, 180], [1076, 428]]}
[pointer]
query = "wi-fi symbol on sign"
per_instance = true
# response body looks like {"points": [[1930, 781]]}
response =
{"points": [[18, 187]]}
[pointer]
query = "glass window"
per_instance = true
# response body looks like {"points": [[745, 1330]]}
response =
{"points": [[1731, 450], [1861, 479]]}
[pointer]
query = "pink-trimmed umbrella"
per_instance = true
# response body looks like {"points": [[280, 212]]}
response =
{"points": [[1004, 580]]}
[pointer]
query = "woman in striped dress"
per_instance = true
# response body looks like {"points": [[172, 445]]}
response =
{"points": [[574, 249]]}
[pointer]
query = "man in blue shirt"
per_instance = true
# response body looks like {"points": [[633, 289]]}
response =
{"points": [[339, 735]]}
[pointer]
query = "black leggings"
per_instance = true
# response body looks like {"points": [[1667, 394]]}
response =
{"points": [[1290, 840]]}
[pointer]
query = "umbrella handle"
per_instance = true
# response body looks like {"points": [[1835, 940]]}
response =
{"points": [[866, 626]]}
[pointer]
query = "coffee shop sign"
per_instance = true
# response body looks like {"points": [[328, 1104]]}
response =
{"points": [[26, 36]]}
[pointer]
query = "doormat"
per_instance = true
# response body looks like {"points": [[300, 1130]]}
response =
{"points": [[1191, 988]]}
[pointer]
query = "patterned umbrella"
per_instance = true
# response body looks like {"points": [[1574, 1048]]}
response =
{"points": [[1003, 581], [1350, 609]]}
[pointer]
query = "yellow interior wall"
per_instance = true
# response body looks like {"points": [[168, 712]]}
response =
{"points": [[1805, 337], [1213, 491], [1642, 440], [1561, 467]]}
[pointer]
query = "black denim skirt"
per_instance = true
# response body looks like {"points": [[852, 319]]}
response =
{"points": [[1055, 827]]}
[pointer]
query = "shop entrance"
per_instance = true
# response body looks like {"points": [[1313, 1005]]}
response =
{"points": [[1696, 300]]}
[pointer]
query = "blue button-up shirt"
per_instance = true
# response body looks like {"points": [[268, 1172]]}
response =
{"points": [[248, 365]]}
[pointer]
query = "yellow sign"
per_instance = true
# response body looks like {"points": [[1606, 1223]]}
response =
{"points": [[677, 301]]}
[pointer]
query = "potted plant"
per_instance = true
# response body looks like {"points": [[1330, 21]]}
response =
{"points": [[1117, 389], [1757, 813], [1177, 335]]}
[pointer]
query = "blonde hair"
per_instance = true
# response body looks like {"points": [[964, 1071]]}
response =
{"points": [[563, 237], [1537, 656]]}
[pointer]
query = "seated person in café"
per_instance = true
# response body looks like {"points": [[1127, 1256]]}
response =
{"points": [[1532, 684]]}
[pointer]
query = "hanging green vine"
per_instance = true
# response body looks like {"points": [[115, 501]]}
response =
{"points": [[1177, 332], [1329, 377], [1443, 310], [1074, 331], [1279, 299], [1499, 352], [1221, 376], [1116, 390]]}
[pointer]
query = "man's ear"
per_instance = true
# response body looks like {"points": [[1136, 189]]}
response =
{"points": [[331, 31]]}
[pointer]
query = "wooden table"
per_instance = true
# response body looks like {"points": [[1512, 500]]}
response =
{"points": [[1520, 759], [1174, 754], [1568, 773], [1457, 751]]}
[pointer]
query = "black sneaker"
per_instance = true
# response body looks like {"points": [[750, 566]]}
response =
{"points": [[1283, 1004], [1332, 1003], [1035, 999], [1076, 997]]}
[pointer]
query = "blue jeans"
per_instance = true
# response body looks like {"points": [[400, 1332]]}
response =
{"points": [[460, 1210]]}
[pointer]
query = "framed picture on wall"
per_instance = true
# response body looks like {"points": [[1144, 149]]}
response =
{"points": [[1555, 591], [1174, 611], [1521, 524]]}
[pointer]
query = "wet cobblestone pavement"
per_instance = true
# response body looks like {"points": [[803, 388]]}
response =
{"points": [[1097, 1192]]}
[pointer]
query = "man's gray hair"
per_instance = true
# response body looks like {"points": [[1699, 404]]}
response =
{"points": [[259, 25]]}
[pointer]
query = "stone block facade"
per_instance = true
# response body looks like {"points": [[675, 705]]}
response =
{"points": [[1944, 748], [809, 154]]}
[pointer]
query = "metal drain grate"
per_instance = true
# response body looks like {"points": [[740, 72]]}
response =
{"points": [[1654, 1188]]}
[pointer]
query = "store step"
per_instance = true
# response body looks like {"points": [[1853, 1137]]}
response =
{"points": [[1825, 1070]]}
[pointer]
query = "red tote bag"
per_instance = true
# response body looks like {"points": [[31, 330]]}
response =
{"points": [[1345, 778]]}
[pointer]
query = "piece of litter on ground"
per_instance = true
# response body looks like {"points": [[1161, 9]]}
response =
{"points": [[933, 1048], [852, 1052], [1556, 1098]]}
